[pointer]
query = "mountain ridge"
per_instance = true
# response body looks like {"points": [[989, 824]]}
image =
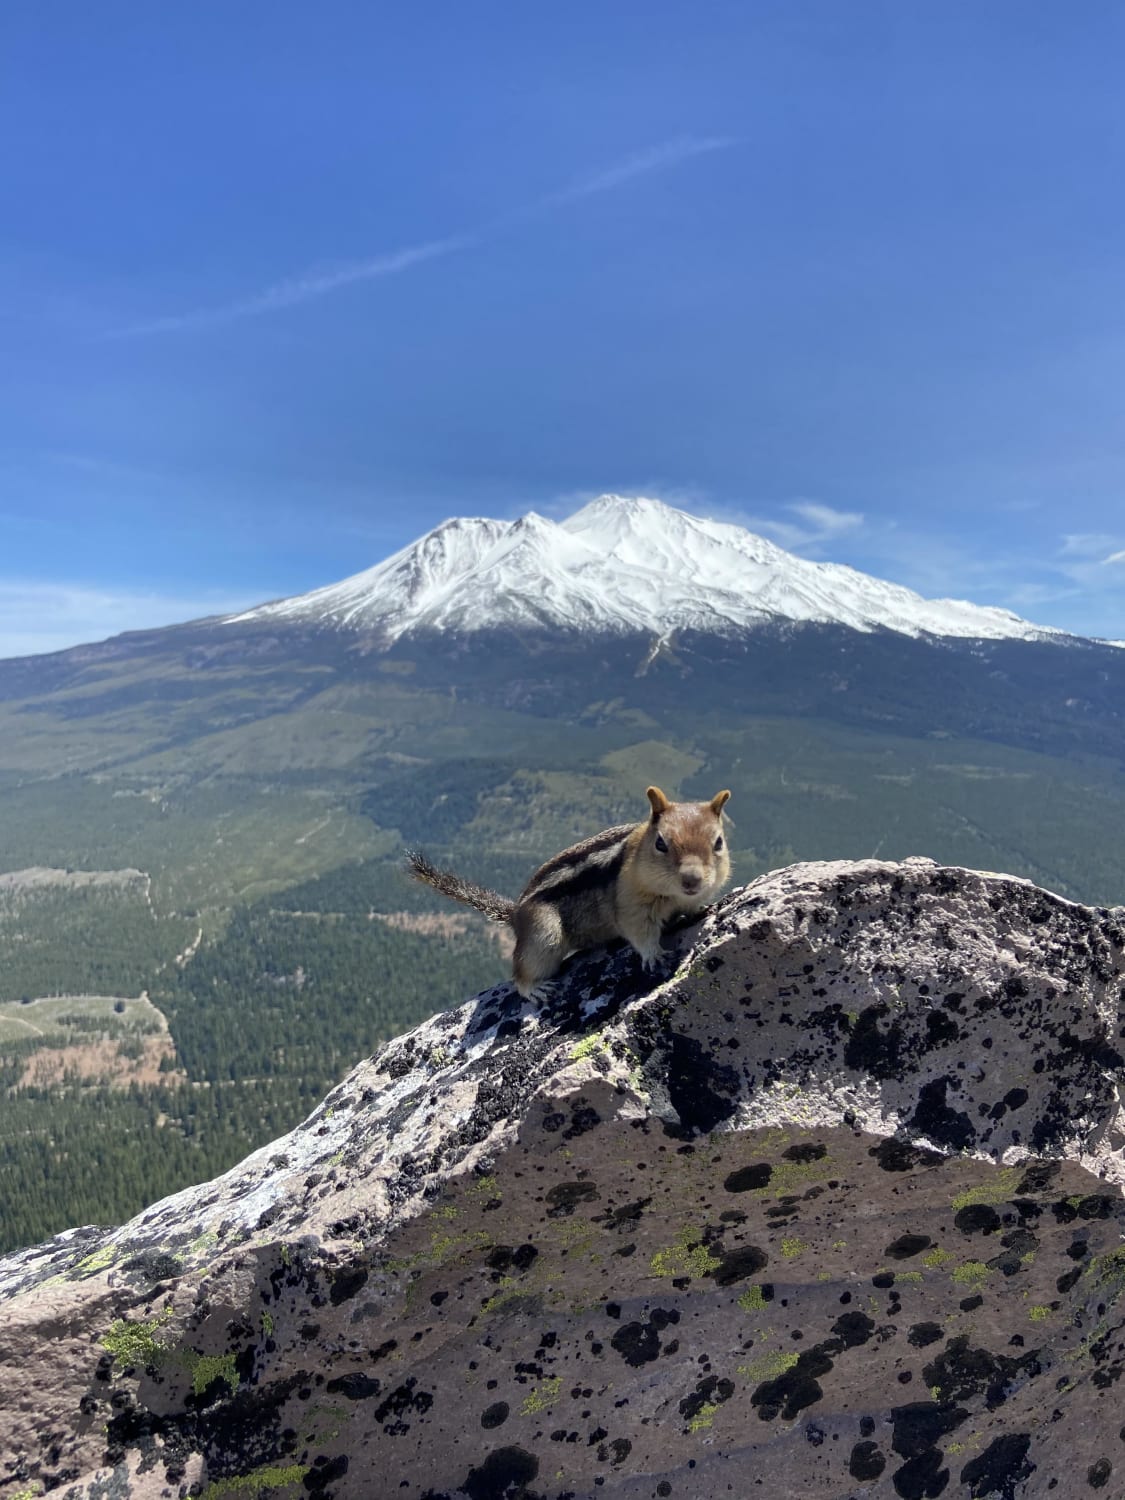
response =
{"points": [[622, 564]]}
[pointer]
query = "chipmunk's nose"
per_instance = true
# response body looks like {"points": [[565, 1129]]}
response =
{"points": [[691, 880]]}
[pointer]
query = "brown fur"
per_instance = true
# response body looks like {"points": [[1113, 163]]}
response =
{"points": [[625, 882]]}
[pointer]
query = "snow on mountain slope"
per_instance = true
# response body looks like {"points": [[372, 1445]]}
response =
{"points": [[622, 564]]}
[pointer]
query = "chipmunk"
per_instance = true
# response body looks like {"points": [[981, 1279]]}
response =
{"points": [[625, 882]]}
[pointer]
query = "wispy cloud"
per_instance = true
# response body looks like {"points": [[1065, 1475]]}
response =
{"points": [[305, 287], [655, 159], [317, 282], [814, 525], [38, 616], [1088, 544]]}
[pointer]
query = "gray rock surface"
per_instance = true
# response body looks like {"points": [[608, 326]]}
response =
{"points": [[832, 1209]]}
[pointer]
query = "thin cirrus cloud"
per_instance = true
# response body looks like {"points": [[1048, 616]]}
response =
{"points": [[655, 159], [814, 524], [37, 616], [310, 285]]}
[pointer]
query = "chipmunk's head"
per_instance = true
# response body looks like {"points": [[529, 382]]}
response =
{"points": [[685, 848]]}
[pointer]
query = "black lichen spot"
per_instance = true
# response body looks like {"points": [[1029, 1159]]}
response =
{"points": [[620, 1449], [867, 1461], [504, 1475], [700, 1090], [919, 1425], [402, 1401], [323, 1472], [922, 1477], [495, 1415], [154, 1265], [937, 1120], [708, 1392], [941, 1028], [797, 1388], [1097, 1475], [960, 1371], [805, 1151], [922, 1334], [502, 1258], [627, 1215], [977, 1218], [737, 1265], [1038, 1177], [907, 1245], [355, 1387], [871, 1050], [749, 1179], [582, 1119], [900, 1156], [851, 1329], [1097, 1206], [637, 1343], [564, 1197], [345, 1284], [1001, 1466]]}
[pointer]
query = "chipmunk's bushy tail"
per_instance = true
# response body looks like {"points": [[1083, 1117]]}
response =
{"points": [[495, 906]]}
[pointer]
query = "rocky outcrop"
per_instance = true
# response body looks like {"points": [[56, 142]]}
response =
{"points": [[833, 1209]]}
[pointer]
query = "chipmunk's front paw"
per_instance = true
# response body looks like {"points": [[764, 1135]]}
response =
{"points": [[651, 957]]}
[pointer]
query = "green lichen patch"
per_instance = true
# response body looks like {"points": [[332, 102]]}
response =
{"points": [[970, 1273], [542, 1397], [1109, 1270], [937, 1257], [272, 1477], [97, 1261], [793, 1246], [687, 1256], [768, 1366], [752, 1299], [588, 1047], [999, 1188], [789, 1176], [207, 1368], [1038, 1313], [134, 1342], [704, 1417]]}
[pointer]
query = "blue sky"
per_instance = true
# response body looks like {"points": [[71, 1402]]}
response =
{"points": [[281, 286]]}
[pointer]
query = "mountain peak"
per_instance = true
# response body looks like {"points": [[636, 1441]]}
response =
{"points": [[622, 564]]}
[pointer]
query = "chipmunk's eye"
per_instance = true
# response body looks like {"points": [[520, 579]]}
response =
{"points": [[718, 843], [661, 846]]}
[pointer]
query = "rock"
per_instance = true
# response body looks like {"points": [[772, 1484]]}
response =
{"points": [[834, 1208]]}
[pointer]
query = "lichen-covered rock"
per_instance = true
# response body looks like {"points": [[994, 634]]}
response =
{"points": [[833, 1209]]}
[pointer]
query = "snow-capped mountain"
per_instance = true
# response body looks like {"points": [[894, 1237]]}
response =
{"points": [[622, 565]]}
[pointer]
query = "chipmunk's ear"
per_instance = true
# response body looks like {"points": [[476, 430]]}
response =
{"points": [[719, 801], [659, 801]]}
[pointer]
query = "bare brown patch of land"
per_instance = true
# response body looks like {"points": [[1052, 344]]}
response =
{"points": [[446, 924], [112, 1061]]}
